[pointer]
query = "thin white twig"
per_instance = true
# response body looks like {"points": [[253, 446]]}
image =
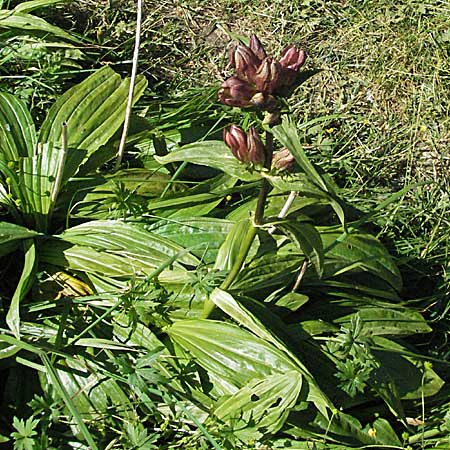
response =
{"points": [[126, 122], [299, 278], [285, 209]]}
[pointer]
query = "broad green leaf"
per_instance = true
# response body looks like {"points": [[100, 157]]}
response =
{"points": [[12, 232], [17, 131], [29, 24], [127, 240], [389, 321], [229, 351], [37, 177], [359, 251], [232, 246], [26, 7], [212, 154], [260, 405], [22, 288], [205, 234], [247, 319], [268, 271], [413, 379], [292, 301], [348, 426], [306, 237], [287, 134], [93, 110]]}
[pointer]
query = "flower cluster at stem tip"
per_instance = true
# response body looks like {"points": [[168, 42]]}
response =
{"points": [[259, 80]]}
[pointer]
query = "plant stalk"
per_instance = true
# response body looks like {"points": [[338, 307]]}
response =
{"points": [[209, 306], [126, 123]]}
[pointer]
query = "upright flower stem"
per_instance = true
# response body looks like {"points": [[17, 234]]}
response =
{"points": [[209, 306]]}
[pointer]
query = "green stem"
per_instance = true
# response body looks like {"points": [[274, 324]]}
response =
{"points": [[209, 305]]}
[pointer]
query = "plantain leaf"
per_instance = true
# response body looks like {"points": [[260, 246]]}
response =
{"points": [[27, 23], [228, 351], [26, 7], [306, 237], [269, 270], [128, 240], [212, 154], [93, 110], [17, 131], [260, 405], [205, 234], [231, 247], [23, 286], [247, 319], [11, 232], [359, 251], [389, 321]]}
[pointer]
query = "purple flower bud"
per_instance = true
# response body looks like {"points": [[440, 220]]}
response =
{"points": [[236, 92], [268, 76], [245, 62], [291, 60], [283, 160], [257, 47], [236, 139], [256, 149]]}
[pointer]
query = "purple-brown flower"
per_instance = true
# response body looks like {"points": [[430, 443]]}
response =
{"points": [[291, 60], [268, 76], [236, 139], [246, 147], [283, 160], [257, 47], [236, 92], [245, 62], [256, 149], [260, 78]]}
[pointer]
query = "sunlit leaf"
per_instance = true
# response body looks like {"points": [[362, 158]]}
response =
{"points": [[212, 154], [17, 131], [93, 110]]}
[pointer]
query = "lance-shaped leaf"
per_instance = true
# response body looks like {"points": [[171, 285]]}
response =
{"points": [[118, 249], [229, 351], [27, 23], [206, 234], [287, 134], [244, 317], [389, 321], [37, 177], [17, 132], [212, 154], [23, 286], [260, 404], [306, 237], [11, 232], [93, 110], [233, 244], [359, 251], [26, 7]]}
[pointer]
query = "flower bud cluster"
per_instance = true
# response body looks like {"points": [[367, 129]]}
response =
{"points": [[246, 147], [259, 78]]}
